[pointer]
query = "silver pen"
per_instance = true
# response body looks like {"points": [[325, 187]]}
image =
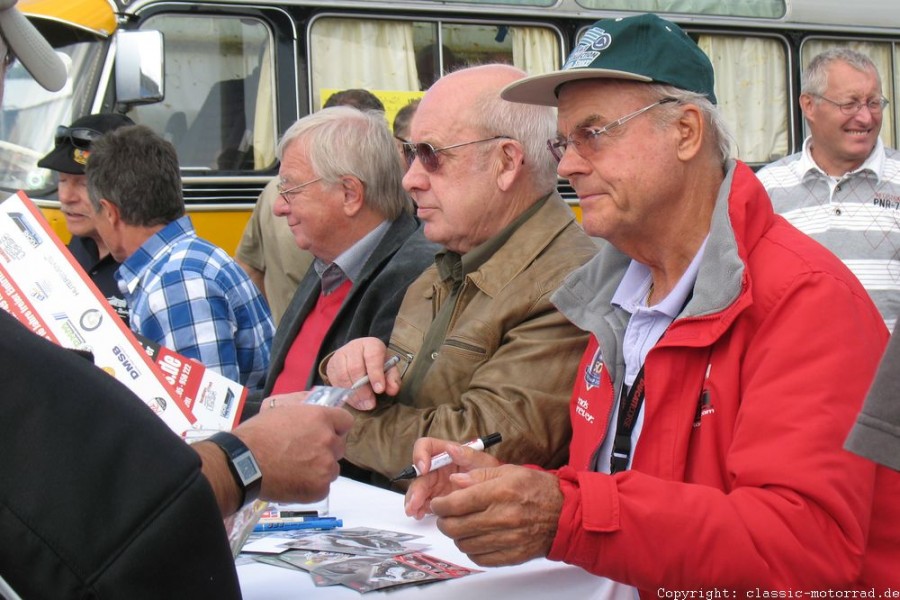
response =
{"points": [[365, 378]]}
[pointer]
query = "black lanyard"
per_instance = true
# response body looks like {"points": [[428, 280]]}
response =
{"points": [[628, 413]]}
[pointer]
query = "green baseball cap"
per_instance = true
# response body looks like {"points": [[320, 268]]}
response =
{"points": [[640, 48]]}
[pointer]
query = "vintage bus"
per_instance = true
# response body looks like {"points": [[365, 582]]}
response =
{"points": [[223, 79]]}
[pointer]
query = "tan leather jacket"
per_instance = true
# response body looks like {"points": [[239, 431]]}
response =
{"points": [[508, 362]]}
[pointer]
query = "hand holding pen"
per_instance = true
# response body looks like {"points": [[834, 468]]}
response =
{"points": [[324, 395], [439, 461], [437, 482], [364, 358]]}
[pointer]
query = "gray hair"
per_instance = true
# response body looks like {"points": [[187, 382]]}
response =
{"points": [[814, 79], [137, 170], [532, 125], [344, 141], [718, 130]]}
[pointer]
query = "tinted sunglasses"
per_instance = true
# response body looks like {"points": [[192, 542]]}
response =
{"points": [[80, 137], [428, 154]]}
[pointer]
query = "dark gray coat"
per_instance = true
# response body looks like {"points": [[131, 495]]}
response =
{"points": [[369, 309]]}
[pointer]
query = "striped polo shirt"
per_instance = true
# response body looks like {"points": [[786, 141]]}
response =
{"points": [[856, 216]]}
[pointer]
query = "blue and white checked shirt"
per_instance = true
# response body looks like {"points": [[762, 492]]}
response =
{"points": [[190, 296]]}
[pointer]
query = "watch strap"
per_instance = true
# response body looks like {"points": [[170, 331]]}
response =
{"points": [[242, 464]]}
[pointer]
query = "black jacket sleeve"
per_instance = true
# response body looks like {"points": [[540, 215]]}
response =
{"points": [[98, 498]]}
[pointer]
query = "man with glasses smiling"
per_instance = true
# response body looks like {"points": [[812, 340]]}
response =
{"points": [[843, 188], [482, 349], [728, 357]]}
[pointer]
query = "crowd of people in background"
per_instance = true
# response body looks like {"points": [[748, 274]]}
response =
{"points": [[691, 383]]}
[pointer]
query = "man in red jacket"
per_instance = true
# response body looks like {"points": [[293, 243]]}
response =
{"points": [[729, 356]]}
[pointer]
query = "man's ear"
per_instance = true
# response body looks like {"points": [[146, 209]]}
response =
{"points": [[691, 127], [510, 164], [807, 102], [109, 211], [354, 194]]}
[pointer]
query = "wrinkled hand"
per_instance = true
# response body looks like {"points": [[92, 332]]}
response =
{"points": [[297, 448], [428, 486], [278, 400], [359, 357], [501, 516]]}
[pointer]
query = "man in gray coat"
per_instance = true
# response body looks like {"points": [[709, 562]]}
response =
{"points": [[342, 196]]}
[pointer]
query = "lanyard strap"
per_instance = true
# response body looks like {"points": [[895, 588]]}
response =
{"points": [[628, 413], [629, 410]]}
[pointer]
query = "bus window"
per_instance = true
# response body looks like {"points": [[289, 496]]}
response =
{"points": [[30, 115], [219, 109], [881, 54], [771, 9], [400, 57], [752, 92]]}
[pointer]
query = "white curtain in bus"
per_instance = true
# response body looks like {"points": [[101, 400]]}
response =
{"points": [[880, 53], [751, 88], [772, 9], [373, 55], [535, 50], [264, 119]]}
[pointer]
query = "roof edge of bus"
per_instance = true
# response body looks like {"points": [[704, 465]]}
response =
{"points": [[95, 16]]}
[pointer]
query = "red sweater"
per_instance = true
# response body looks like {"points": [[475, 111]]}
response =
{"points": [[300, 358]]}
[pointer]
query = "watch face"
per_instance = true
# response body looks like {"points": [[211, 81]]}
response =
{"points": [[247, 468]]}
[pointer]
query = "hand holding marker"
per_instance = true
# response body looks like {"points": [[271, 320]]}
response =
{"points": [[365, 378], [324, 395], [443, 459]]}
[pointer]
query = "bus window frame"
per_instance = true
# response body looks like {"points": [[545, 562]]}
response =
{"points": [[793, 116], [281, 26], [434, 19]]}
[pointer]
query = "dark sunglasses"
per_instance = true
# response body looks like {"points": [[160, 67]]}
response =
{"points": [[428, 154], [80, 137]]}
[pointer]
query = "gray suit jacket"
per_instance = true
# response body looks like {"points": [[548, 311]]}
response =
{"points": [[368, 310]]}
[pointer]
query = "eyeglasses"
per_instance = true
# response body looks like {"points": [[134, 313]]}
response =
{"points": [[80, 137], [428, 154], [287, 193], [854, 106], [587, 140]]}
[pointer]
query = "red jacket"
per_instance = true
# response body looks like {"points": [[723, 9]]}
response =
{"points": [[739, 480]]}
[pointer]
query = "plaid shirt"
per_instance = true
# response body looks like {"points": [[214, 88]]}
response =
{"points": [[190, 296]]}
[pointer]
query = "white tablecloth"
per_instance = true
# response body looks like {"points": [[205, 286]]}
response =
{"points": [[360, 505]]}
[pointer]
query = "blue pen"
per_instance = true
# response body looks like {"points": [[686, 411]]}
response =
{"points": [[325, 523]]}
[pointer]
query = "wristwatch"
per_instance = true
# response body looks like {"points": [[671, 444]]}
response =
{"points": [[242, 464]]}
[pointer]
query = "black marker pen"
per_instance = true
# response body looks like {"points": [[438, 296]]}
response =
{"points": [[443, 459]]}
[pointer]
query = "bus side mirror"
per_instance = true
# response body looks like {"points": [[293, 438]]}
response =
{"points": [[140, 67]]}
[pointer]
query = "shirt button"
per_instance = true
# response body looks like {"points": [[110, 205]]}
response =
{"points": [[837, 211]]}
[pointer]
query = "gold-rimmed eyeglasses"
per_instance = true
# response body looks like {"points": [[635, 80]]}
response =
{"points": [[876, 105], [287, 194], [587, 140]]}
